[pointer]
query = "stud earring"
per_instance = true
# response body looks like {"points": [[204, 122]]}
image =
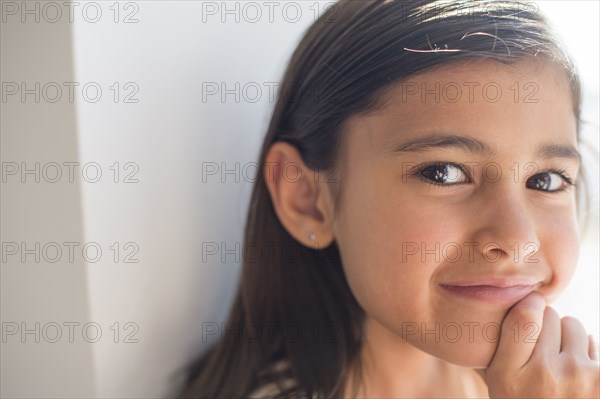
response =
{"points": [[311, 236]]}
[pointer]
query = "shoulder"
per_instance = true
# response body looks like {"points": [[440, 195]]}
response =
{"points": [[276, 381]]}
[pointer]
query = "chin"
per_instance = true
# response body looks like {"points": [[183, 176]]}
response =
{"points": [[476, 354]]}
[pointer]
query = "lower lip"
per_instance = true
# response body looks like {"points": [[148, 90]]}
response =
{"points": [[491, 293]]}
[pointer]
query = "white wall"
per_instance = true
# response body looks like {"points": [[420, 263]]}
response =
{"points": [[165, 138], [36, 295], [170, 133]]}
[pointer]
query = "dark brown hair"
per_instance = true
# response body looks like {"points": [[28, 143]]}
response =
{"points": [[342, 66]]}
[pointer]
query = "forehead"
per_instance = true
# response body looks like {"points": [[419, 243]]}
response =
{"points": [[525, 102]]}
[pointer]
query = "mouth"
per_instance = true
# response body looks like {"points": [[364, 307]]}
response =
{"points": [[490, 293]]}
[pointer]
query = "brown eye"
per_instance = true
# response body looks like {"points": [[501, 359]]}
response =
{"points": [[444, 174], [548, 181]]}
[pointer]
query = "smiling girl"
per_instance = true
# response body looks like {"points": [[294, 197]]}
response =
{"points": [[416, 216]]}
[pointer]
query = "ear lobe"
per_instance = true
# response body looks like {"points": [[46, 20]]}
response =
{"points": [[297, 198]]}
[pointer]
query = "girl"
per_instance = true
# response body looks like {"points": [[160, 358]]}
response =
{"points": [[416, 215]]}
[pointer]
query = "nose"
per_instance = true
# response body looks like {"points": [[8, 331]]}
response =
{"points": [[506, 229]]}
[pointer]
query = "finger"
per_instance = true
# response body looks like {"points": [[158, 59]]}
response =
{"points": [[574, 338], [549, 339], [593, 349], [513, 352]]}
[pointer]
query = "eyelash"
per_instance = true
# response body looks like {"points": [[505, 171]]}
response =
{"points": [[419, 170], [561, 173]]}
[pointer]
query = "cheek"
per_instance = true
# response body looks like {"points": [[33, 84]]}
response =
{"points": [[381, 243], [559, 249]]}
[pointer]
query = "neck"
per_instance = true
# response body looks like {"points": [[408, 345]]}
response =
{"points": [[393, 368]]}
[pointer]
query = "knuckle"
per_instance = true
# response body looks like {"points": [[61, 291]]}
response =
{"points": [[576, 371], [508, 388], [571, 363], [571, 322], [501, 382]]}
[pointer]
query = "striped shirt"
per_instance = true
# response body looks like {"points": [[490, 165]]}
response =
{"points": [[276, 380]]}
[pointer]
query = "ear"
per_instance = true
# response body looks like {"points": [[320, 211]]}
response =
{"points": [[302, 202]]}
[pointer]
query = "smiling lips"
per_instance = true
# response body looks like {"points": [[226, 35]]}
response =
{"points": [[497, 290]]}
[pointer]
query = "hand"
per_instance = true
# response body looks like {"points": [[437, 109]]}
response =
{"points": [[561, 363]]}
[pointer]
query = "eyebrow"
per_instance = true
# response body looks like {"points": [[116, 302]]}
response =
{"points": [[478, 147]]}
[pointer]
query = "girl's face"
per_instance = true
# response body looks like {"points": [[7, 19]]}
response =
{"points": [[506, 218]]}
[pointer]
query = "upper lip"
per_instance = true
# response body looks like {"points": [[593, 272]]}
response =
{"points": [[495, 281]]}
